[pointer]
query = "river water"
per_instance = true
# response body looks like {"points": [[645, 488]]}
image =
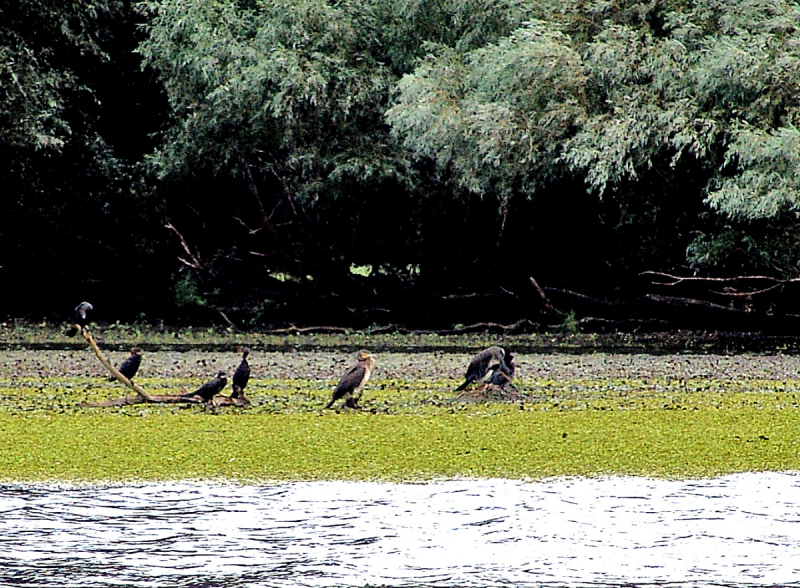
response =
{"points": [[740, 530]]}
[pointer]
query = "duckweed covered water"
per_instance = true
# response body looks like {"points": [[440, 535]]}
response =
{"points": [[668, 416]]}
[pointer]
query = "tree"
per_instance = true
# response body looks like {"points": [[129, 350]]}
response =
{"points": [[280, 106], [72, 214]]}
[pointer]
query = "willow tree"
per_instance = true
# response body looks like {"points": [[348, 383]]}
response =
{"points": [[277, 118], [70, 213], [655, 102]]}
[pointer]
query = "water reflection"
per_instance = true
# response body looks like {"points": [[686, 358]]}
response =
{"points": [[735, 531]]}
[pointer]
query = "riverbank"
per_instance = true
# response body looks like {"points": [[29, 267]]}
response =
{"points": [[671, 416], [25, 335]]}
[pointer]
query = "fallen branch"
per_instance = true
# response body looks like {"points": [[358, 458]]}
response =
{"points": [[158, 399], [490, 327], [675, 280], [299, 330], [143, 395], [694, 303], [545, 300]]}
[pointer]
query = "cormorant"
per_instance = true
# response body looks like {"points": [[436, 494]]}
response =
{"points": [[490, 358], [352, 383], [210, 389], [503, 373], [242, 374], [238, 398], [130, 366], [80, 318]]}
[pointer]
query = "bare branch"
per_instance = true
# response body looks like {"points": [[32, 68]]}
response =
{"points": [[678, 279], [547, 304], [110, 367], [196, 263]]}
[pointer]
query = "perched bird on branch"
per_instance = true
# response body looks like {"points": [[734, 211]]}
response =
{"points": [[479, 368], [242, 374], [210, 389], [130, 366], [352, 383], [81, 318]]}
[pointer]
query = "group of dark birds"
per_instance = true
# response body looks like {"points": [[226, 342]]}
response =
{"points": [[210, 389], [207, 391], [494, 366]]}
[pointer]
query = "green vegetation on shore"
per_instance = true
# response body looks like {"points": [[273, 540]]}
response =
{"points": [[510, 443], [408, 430], [675, 416]]}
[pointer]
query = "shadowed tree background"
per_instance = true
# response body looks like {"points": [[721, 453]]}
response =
{"points": [[594, 165]]}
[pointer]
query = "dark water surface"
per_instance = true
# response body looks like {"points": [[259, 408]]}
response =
{"points": [[741, 530]]}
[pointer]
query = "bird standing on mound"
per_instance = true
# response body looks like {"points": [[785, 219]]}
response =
{"points": [[210, 389], [490, 358], [130, 366], [352, 383], [242, 374], [503, 374], [81, 318]]}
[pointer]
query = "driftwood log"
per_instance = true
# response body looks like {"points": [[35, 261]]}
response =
{"points": [[142, 395]]}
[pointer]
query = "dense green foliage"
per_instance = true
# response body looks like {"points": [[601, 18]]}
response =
{"points": [[328, 161], [75, 221]]}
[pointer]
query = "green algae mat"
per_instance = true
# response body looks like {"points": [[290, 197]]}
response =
{"points": [[676, 416]]}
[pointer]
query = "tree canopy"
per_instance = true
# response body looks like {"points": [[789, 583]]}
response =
{"points": [[406, 161]]}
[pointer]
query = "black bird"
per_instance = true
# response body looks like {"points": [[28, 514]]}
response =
{"points": [[130, 366], [352, 383], [210, 389], [238, 398], [80, 318], [503, 373], [488, 359], [242, 374]]}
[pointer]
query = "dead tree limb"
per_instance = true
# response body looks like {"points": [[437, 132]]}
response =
{"points": [[547, 304], [143, 395], [675, 280], [195, 262]]}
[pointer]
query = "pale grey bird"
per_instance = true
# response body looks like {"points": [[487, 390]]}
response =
{"points": [[351, 386], [81, 318], [503, 373], [482, 364]]}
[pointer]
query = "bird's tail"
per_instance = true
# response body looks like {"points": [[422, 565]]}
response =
{"points": [[462, 386], [331, 403]]}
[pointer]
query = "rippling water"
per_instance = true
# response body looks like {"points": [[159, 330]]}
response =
{"points": [[741, 530]]}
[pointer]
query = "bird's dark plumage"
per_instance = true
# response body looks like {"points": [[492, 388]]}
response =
{"points": [[503, 373], [352, 383], [81, 318], [238, 398], [488, 359], [210, 389], [242, 374], [130, 366]]}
